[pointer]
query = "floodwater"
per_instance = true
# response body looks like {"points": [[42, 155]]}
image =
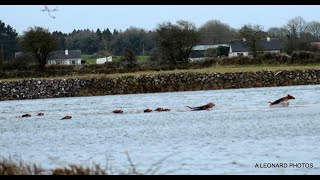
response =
{"points": [[237, 136]]}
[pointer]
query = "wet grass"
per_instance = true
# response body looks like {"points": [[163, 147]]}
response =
{"points": [[18, 167], [12, 167]]}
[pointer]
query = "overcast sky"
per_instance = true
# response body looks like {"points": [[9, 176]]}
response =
{"points": [[69, 17]]}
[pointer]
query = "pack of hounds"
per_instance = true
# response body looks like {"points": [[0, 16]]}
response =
{"points": [[284, 101]]}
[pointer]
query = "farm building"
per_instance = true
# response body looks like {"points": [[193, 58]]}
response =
{"points": [[199, 52], [67, 57], [238, 47]]}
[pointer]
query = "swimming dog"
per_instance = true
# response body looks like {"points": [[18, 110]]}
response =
{"points": [[67, 117], [162, 109], [147, 110], [204, 107], [283, 100], [117, 111], [26, 115], [40, 114]]}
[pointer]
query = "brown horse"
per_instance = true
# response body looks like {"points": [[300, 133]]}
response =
{"points": [[204, 107], [282, 100]]}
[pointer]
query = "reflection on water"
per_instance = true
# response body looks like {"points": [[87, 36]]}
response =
{"points": [[240, 131]]}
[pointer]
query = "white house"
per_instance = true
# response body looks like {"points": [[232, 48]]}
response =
{"points": [[67, 57], [238, 47]]}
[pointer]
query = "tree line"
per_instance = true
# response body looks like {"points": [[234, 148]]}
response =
{"points": [[167, 43]]}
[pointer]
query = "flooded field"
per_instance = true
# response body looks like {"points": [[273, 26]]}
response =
{"points": [[240, 135]]}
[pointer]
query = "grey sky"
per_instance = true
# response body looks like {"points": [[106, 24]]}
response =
{"points": [[20, 17]]}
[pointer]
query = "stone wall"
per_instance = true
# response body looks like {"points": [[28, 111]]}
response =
{"points": [[34, 88]]}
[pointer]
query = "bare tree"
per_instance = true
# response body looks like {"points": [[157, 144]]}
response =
{"points": [[313, 27], [46, 9], [175, 41], [253, 36], [216, 32], [277, 32], [296, 26], [40, 43], [298, 38], [281, 33]]}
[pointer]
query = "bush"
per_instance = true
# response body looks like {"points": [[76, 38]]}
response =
{"points": [[203, 63]]}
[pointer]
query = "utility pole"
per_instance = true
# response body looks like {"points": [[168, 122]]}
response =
{"points": [[2, 52], [143, 49]]}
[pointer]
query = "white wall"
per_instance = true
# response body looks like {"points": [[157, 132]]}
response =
{"points": [[109, 59], [275, 51], [104, 60], [235, 54], [197, 59], [76, 61], [101, 60], [66, 62]]}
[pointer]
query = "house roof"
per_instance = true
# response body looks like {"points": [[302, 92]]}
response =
{"points": [[205, 47], [316, 44], [72, 54], [239, 46]]}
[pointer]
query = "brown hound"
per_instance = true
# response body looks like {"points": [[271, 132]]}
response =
{"points": [[147, 110], [162, 109], [26, 115], [118, 111], [40, 114], [283, 99], [204, 107], [67, 117]]}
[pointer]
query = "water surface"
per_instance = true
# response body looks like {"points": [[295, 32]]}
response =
{"points": [[231, 138]]}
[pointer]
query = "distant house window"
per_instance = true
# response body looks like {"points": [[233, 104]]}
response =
{"points": [[73, 62], [240, 54]]}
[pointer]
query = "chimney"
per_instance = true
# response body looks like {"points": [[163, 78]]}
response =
{"points": [[244, 39], [268, 38], [66, 52]]}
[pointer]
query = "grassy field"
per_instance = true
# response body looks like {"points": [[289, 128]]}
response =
{"points": [[139, 58], [143, 58], [223, 69], [88, 59]]}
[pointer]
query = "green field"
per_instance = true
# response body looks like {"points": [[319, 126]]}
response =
{"points": [[88, 59], [143, 58]]}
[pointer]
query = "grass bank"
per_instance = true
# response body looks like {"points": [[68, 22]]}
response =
{"points": [[9, 166]]}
